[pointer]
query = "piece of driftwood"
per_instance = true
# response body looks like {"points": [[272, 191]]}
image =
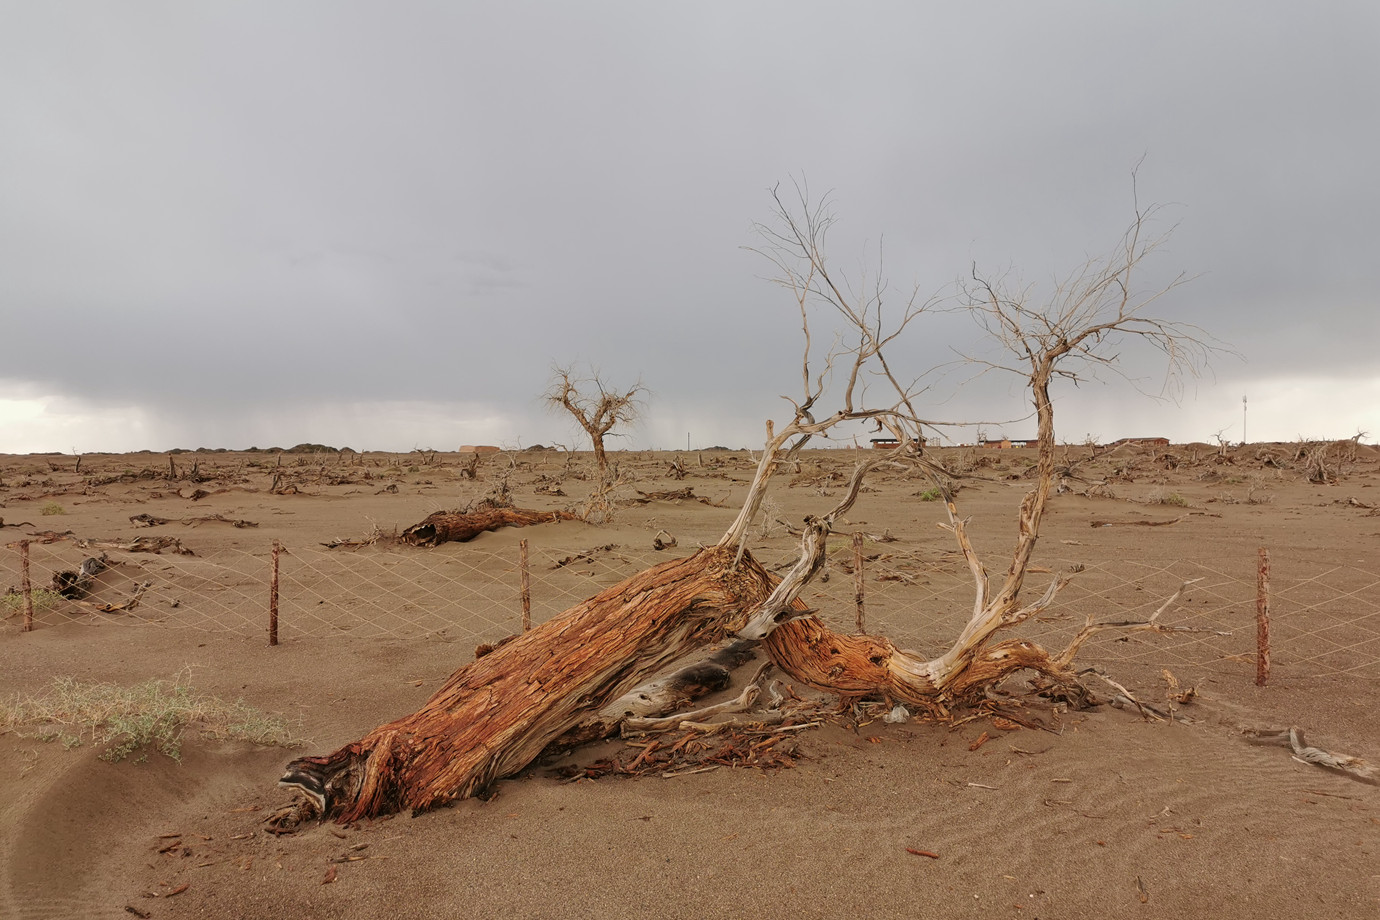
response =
{"points": [[122, 606], [149, 520], [460, 526], [1292, 738], [1136, 523], [140, 545], [670, 495]]}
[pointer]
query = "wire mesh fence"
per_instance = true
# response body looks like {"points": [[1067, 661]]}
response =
{"points": [[1325, 618]]}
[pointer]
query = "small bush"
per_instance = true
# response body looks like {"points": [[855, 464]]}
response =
{"points": [[930, 495], [155, 714], [43, 597], [52, 508]]}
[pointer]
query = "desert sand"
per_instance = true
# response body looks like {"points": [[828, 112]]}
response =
{"points": [[1104, 814]]}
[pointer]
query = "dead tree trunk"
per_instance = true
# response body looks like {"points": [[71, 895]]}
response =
{"points": [[495, 715], [460, 526], [663, 696]]}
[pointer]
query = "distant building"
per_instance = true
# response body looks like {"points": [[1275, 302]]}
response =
{"points": [[892, 443], [996, 443]]}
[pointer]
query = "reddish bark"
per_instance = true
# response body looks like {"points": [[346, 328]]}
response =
{"points": [[460, 526]]}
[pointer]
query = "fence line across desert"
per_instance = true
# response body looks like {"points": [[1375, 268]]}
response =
{"points": [[1301, 620]]}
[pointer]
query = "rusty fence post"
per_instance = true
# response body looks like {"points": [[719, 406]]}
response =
{"points": [[526, 586], [273, 596], [858, 578], [1262, 619], [26, 586]]}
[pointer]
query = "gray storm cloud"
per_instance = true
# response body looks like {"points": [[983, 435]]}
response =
{"points": [[268, 222]]}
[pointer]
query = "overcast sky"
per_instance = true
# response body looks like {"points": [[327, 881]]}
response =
{"points": [[378, 225]]}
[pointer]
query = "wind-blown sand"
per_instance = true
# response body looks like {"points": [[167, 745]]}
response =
{"points": [[1108, 815]]}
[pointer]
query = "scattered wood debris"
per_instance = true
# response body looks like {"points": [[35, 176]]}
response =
{"points": [[764, 749], [137, 545], [149, 520], [377, 536], [672, 495], [587, 556]]}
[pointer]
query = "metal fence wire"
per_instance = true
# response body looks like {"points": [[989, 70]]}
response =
{"points": [[1325, 619]]}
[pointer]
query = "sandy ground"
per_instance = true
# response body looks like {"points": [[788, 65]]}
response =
{"points": [[1108, 815]]}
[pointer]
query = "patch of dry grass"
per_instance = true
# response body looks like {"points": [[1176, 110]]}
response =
{"points": [[156, 714]]}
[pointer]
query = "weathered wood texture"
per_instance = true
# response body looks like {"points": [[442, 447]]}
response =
{"points": [[459, 526], [862, 666], [663, 696], [494, 716]]}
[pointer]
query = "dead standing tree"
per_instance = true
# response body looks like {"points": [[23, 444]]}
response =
{"points": [[492, 717], [598, 415], [1093, 310]]}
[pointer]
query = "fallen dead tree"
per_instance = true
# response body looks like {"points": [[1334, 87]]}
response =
{"points": [[494, 716], [461, 526]]}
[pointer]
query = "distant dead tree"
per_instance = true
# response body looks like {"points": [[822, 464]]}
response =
{"points": [[493, 716], [598, 408]]}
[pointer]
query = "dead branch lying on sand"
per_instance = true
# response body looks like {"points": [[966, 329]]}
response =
{"points": [[149, 520], [122, 606], [1135, 523], [137, 545], [670, 495], [1292, 738], [460, 526]]}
